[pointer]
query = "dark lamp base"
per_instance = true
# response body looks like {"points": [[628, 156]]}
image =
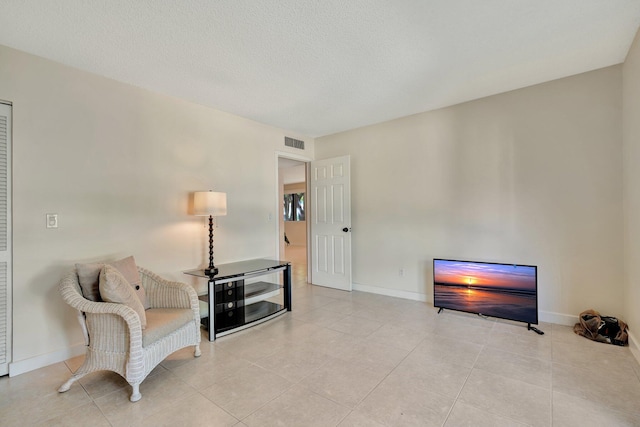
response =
{"points": [[211, 271]]}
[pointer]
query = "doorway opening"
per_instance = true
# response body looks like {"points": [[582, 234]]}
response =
{"points": [[293, 215]]}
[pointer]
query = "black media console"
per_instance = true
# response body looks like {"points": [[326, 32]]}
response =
{"points": [[237, 304]]}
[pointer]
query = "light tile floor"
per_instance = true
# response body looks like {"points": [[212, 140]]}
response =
{"points": [[353, 359]]}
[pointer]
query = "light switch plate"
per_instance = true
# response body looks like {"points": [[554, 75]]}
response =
{"points": [[52, 220]]}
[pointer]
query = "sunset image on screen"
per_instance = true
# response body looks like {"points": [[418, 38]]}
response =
{"points": [[499, 290], [497, 276]]}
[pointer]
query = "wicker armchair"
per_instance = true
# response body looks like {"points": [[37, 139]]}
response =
{"points": [[113, 335]]}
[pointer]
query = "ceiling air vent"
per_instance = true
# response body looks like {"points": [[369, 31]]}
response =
{"points": [[295, 143]]}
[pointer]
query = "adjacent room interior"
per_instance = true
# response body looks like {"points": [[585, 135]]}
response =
{"points": [[293, 179]]}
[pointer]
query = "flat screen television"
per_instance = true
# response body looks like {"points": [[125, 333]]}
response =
{"points": [[506, 291]]}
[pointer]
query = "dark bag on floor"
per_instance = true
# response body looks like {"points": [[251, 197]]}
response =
{"points": [[601, 328]]}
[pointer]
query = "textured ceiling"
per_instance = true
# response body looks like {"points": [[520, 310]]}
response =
{"points": [[320, 67]]}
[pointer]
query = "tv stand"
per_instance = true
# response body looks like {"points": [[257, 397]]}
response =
{"points": [[534, 329], [229, 304]]}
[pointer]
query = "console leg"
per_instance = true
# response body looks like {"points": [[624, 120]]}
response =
{"points": [[440, 309], [287, 287]]}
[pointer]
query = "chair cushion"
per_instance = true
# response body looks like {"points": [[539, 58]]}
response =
{"points": [[115, 288], [88, 275], [163, 321]]}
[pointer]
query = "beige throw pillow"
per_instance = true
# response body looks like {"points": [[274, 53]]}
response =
{"points": [[88, 275], [128, 268], [115, 288]]}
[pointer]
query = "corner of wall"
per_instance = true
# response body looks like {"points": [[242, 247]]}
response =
{"points": [[631, 190]]}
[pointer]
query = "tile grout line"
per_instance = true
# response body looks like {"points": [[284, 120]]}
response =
{"points": [[474, 367], [382, 380], [455, 400]]}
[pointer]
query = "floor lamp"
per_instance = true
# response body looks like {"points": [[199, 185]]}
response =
{"points": [[210, 203]]}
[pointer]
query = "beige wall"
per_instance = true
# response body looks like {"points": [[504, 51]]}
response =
{"points": [[631, 136], [117, 164], [531, 176], [296, 230]]}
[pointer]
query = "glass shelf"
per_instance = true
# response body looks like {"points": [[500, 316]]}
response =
{"points": [[260, 310], [255, 289], [241, 268]]}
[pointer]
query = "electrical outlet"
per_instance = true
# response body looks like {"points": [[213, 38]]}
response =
{"points": [[52, 220], [401, 272]]}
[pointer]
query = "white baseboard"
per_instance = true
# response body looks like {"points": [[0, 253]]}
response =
{"points": [[634, 346], [543, 316], [557, 318], [415, 296], [33, 363]]}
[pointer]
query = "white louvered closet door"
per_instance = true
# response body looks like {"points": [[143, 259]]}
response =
{"points": [[5, 237]]}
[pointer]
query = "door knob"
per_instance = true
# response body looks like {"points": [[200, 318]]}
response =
{"points": [[346, 229]]}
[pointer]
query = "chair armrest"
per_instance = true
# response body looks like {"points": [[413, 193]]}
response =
{"points": [[71, 295], [106, 316], [162, 293]]}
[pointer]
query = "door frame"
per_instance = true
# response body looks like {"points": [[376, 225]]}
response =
{"points": [[6, 369], [278, 203]]}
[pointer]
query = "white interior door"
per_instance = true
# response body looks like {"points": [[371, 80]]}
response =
{"points": [[331, 223], [5, 237]]}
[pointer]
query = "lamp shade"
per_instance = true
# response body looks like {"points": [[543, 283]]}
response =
{"points": [[207, 203]]}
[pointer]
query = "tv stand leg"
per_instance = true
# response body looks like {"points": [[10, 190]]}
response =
{"points": [[440, 309], [534, 329]]}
